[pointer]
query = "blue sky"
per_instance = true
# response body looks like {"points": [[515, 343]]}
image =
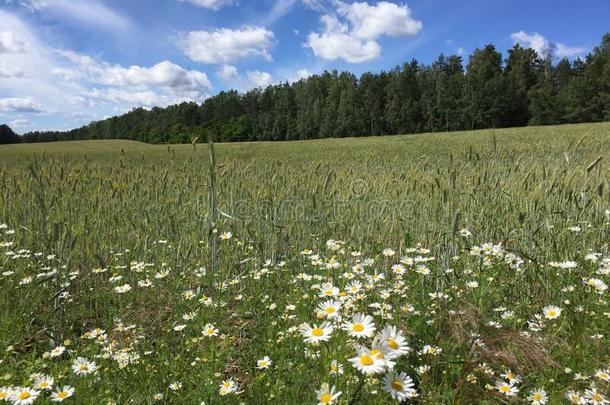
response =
{"points": [[64, 63]]}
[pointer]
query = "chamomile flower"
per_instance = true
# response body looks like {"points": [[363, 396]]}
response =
{"points": [[393, 342], [57, 351], [329, 309], [368, 362], [227, 387], [551, 312], [209, 330], [361, 326], [336, 368], [328, 290], [82, 366], [538, 397], [506, 389], [603, 375], [315, 334], [44, 382], [226, 236], [594, 397], [327, 395], [23, 395], [61, 394], [5, 393], [263, 363], [399, 386], [576, 398], [122, 289]]}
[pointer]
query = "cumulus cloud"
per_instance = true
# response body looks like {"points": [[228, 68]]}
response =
{"points": [[210, 4], [15, 104], [226, 46], [8, 71], [87, 12], [65, 83], [227, 72], [540, 44], [145, 83], [384, 18], [10, 43], [260, 79], [351, 33], [300, 74]]}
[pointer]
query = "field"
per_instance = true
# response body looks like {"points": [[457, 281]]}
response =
{"points": [[461, 268]]}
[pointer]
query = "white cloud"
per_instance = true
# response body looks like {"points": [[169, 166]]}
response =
{"points": [[10, 43], [211, 4], [300, 74], [15, 104], [351, 33], [335, 42], [18, 123], [384, 18], [63, 83], [227, 72], [8, 71], [260, 79], [225, 45], [165, 80], [87, 12], [540, 44]]}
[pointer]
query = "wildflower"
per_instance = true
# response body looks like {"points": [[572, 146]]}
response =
{"points": [[388, 252], [399, 386], [393, 342], [595, 397], [175, 386], [329, 309], [62, 393], [226, 236], [56, 352], [551, 312], [603, 375], [122, 289], [360, 326], [263, 363], [227, 387], [538, 397], [179, 327], [5, 393], [23, 395], [336, 368], [209, 330], [511, 377], [576, 398], [44, 382], [327, 395], [507, 389], [315, 334], [328, 290], [82, 366], [368, 362]]}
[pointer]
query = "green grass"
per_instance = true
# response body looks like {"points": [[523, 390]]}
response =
{"points": [[107, 204]]}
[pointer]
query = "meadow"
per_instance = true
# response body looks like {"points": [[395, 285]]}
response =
{"points": [[447, 268]]}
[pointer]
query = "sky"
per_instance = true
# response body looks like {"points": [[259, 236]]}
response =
{"points": [[65, 63]]}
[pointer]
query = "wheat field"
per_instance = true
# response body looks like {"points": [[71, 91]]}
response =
{"points": [[455, 268]]}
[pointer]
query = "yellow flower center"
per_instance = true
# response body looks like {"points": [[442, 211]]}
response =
{"points": [[397, 385], [377, 353], [62, 394], [210, 331], [597, 397], [537, 396], [326, 398], [328, 292], [603, 376], [358, 327], [552, 314], [24, 395], [317, 332], [43, 385], [3, 395], [330, 310], [392, 343], [504, 389], [366, 360], [83, 367]]}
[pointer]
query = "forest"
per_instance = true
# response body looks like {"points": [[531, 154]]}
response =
{"points": [[491, 91]]}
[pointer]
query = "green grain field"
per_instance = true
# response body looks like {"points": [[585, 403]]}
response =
{"points": [[482, 255]]}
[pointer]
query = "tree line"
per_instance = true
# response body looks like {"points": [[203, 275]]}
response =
{"points": [[525, 88]]}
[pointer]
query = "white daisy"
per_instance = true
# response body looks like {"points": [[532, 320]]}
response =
{"points": [[315, 334], [399, 386], [360, 326]]}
